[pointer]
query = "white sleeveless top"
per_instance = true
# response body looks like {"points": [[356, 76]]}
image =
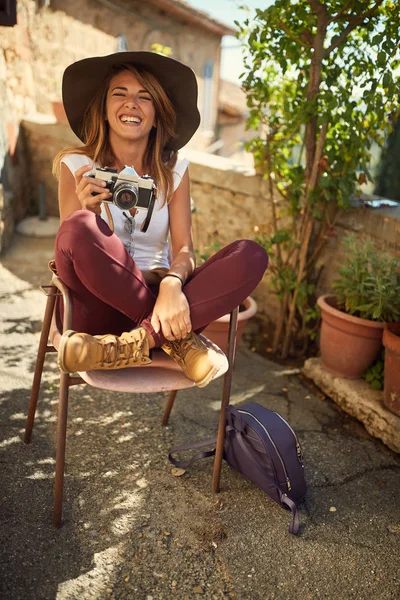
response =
{"points": [[150, 250]]}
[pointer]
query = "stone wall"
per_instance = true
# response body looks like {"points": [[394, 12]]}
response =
{"points": [[44, 138], [382, 226]]}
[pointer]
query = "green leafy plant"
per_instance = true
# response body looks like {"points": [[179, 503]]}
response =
{"points": [[321, 79], [212, 248], [160, 49], [308, 310], [369, 282], [375, 374]]}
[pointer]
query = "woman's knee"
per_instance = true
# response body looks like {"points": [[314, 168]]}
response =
{"points": [[80, 219], [253, 255], [82, 226]]}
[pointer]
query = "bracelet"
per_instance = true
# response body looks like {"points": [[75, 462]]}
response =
{"points": [[174, 275]]}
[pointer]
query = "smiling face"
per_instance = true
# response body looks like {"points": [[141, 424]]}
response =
{"points": [[130, 109]]}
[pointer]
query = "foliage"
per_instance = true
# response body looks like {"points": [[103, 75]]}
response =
{"points": [[208, 251], [375, 374], [160, 49], [308, 310], [388, 184], [321, 88], [369, 282]]}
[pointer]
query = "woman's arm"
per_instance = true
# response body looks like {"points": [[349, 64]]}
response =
{"points": [[75, 192], [180, 224], [171, 311]]}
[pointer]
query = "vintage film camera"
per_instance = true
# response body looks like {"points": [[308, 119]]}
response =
{"points": [[129, 190]]}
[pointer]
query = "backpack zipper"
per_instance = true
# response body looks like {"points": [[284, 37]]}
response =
{"points": [[298, 446], [289, 487]]}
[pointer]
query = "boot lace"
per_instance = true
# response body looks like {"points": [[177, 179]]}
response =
{"points": [[180, 348], [118, 352]]}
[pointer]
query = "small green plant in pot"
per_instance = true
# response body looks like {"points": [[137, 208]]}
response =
{"points": [[369, 282], [367, 296]]}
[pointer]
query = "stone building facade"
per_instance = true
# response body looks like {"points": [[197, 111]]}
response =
{"points": [[231, 132]]}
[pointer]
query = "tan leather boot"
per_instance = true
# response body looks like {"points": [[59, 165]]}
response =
{"points": [[84, 352], [198, 362]]}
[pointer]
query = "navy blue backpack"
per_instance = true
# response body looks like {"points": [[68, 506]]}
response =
{"points": [[262, 446]]}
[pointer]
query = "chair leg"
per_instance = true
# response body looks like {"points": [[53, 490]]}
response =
{"points": [[219, 450], [168, 408], [60, 452], [226, 393], [44, 338]]}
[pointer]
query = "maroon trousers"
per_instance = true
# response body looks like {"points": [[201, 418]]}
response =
{"points": [[110, 294]]}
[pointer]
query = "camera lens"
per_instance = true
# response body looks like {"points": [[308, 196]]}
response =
{"points": [[125, 196]]}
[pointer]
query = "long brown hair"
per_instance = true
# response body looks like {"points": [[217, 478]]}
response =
{"points": [[159, 158]]}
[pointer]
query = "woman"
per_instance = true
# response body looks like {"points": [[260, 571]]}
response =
{"points": [[138, 109]]}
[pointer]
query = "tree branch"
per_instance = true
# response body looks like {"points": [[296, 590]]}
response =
{"points": [[282, 193], [318, 8], [292, 307], [281, 320], [353, 23], [273, 207], [302, 41], [342, 13], [319, 245], [317, 157]]}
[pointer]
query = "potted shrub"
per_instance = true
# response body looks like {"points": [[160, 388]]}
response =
{"points": [[217, 331], [367, 296]]}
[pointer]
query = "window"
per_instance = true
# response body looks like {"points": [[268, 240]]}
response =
{"points": [[208, 96], [8, 13], [122, 44]]}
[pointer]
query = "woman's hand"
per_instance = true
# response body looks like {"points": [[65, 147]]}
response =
{"points": [[85, 186], [171, 311]]}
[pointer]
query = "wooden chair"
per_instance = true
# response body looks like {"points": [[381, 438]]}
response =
{"points": [[162, 375]]}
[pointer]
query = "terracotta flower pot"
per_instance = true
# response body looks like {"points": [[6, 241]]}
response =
{"points": [[217, 331], [349, 345], [391, 392]]}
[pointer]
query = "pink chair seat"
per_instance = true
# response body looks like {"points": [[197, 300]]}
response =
{"points": [[162, 375]]}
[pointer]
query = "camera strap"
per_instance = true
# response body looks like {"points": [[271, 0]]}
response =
{"points": [[152, 201]]}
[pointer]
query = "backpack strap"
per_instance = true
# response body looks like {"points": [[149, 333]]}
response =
{"points": [[184, 464], [295, 524]]}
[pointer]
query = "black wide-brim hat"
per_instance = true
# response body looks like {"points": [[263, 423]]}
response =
{"points": [[82, 79]]}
